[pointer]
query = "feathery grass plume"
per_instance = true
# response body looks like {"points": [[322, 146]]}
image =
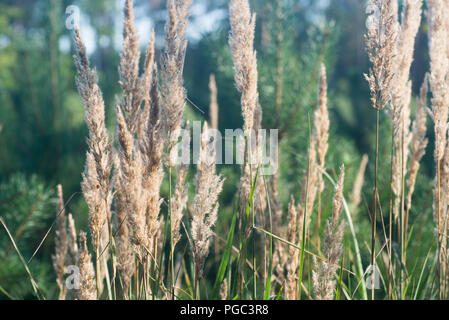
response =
{"points": [[419, 140], [124, 250], [356, 195], [443, 217], [147, 77], [173, 93], [73, 251], [280, 259], [213, 109], [129, 118], [321, 133], [179, 202], [321, 125], [439, 65], [87, 290], [151, 147], [324, 271], [96, 177], [241, 41], [205, 204], [224, 290], [129, 184], [61, 245], [381, 46], [135, 88], [295, 229], [401, 96], [279, 229], [129, 69]]}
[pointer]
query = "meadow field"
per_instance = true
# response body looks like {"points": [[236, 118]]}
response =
{"points": [[224, 150]]}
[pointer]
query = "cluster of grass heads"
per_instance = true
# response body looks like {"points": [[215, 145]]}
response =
{"points": [[241, 263]]}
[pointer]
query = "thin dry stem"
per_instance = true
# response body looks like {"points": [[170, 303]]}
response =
{"points": [[61, 245], [213, 109]]}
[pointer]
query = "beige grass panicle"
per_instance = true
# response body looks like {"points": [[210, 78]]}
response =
{"points": [[96, 184], [280, 229], [179, 203], [438, 12], [87, 290], [129, 183], [132, 152], [321, 125], [224, 290], [381, 46], [73, 250], [129, 69], [140, 168], [401, 95], [173, 93], [180, 197], [295, 231], [205, 204], [149, 73], [151, 150], [419, 141], [324, 271], [124, 250], [439, 65], [241, 41]]}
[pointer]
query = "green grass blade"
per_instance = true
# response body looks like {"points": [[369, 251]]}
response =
{"points": [[422, 272], [340, 278], [279, 294], [225, 258], [36, 289], [2, 290], [270, 265], [251, 195]]}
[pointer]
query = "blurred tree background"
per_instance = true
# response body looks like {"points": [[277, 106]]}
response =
{"points": [[42, 137]]}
